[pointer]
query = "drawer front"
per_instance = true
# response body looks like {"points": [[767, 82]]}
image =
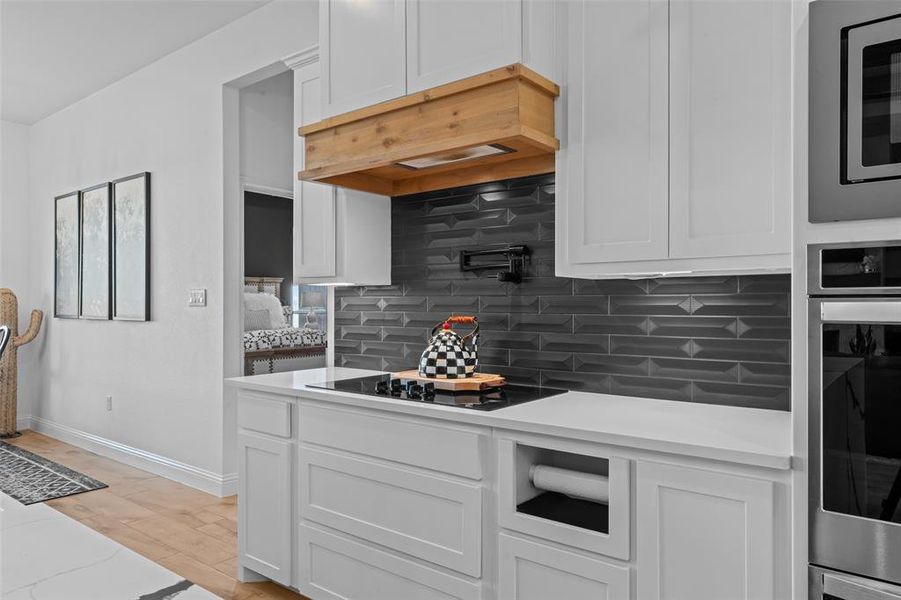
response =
{"points": [[422, 515], [434, 447], [333, 567], [532, 571], [264, 413]]}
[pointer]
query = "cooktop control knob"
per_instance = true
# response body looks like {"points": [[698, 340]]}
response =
{"points": [[396, 387], [428, 392], [381, 388], [414, 390]]}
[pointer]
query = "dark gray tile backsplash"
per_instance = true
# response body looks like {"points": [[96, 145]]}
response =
{"points": [[717, 340]]}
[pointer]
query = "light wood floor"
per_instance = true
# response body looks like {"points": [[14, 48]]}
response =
{"points": [[185, 530]]}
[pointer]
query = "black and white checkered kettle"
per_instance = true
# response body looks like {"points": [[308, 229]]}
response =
{"points": [[448, 355]]}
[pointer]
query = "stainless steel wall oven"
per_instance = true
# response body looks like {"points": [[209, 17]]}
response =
{"points": [[855, 415]]}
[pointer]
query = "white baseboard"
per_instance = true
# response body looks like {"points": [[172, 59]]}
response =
{"points": [[23, 422], [202, 479]]}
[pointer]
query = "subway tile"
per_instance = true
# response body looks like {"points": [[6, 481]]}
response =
{"points": [[448, 271], [357, 361], [414, 335], [452, 204], [693, 285], [650, 305], [494, 356], [574, 304], [605, 287], [765, 283], [383, 349], [743, 350], [509, 198], [555, 361], [343, 291], [613, 365], [511, 340], [383, 290], [479, 287], [403, 303], [542, 323], [359, 303], [437, 239], [626, 325], [568, 342], [720, 327], [651, 387], [454, 304], [360, 333], [430, 256], [532, 213], [510, 304], [583, 382], [427, 287], [771, 328], [511, 375], [344, 346], [509, 234], [343, 317], [383, 319], [680, 368], [395, 365], [483, 218], [424, 319], [545, 286], [765, 374], [737, 394], [547, 231], [741, 304], [493, 321], [650, 345]]}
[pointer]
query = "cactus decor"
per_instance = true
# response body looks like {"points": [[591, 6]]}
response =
{"points": [[9, 315]]}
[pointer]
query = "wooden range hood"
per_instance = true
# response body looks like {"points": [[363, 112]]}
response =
{"points": [[488, 127]]}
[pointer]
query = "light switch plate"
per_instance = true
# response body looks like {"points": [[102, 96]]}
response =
{"points": [[197, 297]]}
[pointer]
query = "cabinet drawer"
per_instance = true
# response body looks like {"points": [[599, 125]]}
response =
{"points": [[425, 516], [532, 571], [264, 413], [336, 568], [434, 447]]}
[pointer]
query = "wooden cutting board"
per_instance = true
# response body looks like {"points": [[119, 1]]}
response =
{"points": [[476, 383]]}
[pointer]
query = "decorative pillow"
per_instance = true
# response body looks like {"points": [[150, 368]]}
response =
{"points": [[269, 303], [256, 320]]}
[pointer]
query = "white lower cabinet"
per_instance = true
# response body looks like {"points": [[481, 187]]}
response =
{"points": [[334, 567], [265, 506], [704, 535], [533, 571]]}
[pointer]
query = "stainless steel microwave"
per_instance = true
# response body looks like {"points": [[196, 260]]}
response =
{"points": [[855, 110]]}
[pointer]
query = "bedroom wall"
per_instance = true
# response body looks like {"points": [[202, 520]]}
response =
{"points": [[15, 232], [165, 376], [269, 239]]}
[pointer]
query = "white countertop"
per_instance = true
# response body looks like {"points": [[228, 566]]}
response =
{"points": [[747, 436]]}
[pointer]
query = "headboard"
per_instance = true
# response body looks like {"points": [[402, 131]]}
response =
{"points": [[265, 285]]}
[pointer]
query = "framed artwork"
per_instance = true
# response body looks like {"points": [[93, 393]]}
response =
{"points": [[66, 264], [131, 248], [95, 252]]}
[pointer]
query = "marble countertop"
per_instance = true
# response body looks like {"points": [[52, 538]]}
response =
{"points": [[747, 436]]}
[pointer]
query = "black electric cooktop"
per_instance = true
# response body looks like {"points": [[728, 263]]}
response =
{"points": [[386, 387]]}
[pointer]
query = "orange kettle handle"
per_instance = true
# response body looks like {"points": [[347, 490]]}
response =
{"points": [[463, 320]]}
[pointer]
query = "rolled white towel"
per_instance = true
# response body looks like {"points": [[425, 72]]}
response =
{"points": [[575, 484]]}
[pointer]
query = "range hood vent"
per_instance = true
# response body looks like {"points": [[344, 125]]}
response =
{"points": [[488, 127]]}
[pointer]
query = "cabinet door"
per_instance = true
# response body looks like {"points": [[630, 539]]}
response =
{"points": [[363, 53], [448, 40], [703, 535], [612, 166], [264, 506], [531, 571], [730, 134], [314, 203]]}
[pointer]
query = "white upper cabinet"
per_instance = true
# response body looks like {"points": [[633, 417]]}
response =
{"points": [[378, 50], [447, 41], [612, 167], [675, 128], [363, 53], [730, 127]]}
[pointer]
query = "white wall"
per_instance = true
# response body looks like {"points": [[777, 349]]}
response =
{"points": [[166, 375], [267, 133], [16, 234]]}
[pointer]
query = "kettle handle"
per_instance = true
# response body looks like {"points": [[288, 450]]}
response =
{"points": [[464, 320]]}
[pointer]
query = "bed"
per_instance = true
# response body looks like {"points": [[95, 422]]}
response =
{"points": [[284, 348]]}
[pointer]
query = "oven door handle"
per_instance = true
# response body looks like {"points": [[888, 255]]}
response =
{"points": [[883, 311], [847, 589]]}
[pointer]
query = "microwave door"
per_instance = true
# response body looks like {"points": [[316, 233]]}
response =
{"points": [[873, 101]]}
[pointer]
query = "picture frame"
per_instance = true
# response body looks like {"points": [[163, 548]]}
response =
{"points": [[67, 256], [130, 242], [96, 263]]}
